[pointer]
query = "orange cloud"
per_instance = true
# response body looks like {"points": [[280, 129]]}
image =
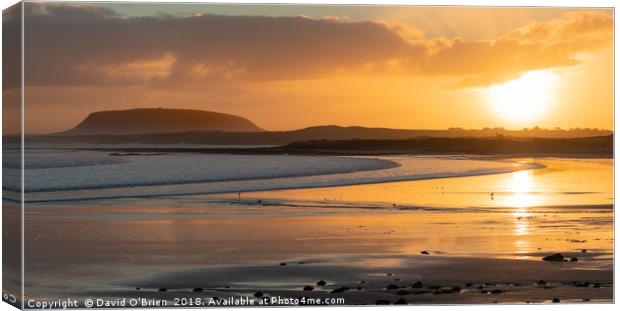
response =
{"points": [[551, 44], [138, 70]]}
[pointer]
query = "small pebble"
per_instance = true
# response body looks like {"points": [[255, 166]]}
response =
{"points": [[555, 300], [162, 290], [382, 302], [308, 287], [392, 286], [424, 252], [321, 283], [417, 284], [198, 289]]}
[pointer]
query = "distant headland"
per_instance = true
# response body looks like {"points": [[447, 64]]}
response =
{"points": [[159, 120]]}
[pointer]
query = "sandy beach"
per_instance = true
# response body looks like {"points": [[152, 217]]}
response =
{"points": [[439, 241]]}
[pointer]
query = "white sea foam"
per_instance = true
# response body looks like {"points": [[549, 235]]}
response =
{"points": [[99, 176], [77, 170]]}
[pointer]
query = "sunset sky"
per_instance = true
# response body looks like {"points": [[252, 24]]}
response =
{"points": [[288, 67]]}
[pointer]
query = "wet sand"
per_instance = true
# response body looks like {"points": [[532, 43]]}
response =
{"points": [[490, 231]]}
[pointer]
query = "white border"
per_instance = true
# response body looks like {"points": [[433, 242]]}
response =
{"points": [[509, 3]]}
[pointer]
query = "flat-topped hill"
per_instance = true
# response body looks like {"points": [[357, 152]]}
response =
{"points": [[159, 120]]}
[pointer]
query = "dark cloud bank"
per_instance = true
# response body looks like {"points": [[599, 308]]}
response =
{"points": [[69, 45]]}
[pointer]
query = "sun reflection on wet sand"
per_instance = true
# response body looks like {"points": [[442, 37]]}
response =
{"points": [[518, 195], [518, 192]]}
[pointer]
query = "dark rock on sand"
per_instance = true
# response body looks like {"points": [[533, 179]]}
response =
{"points": [[401, 301], [283, 264], [382, 302], [392, 286], [554, 257], [137, 288], [321, 283], [162, 290], [555, 300], [541, 283], [584, 251], [496, 291], [596, 285], [308, 287], [258, 294], [573, 259], [582, 284], [417, 284], [339, 290], [198, 289], [468, 285], [433, 286], [402, 292], [456, 289], [424, 252]]}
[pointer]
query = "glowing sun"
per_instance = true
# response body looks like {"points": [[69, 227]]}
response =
{"points": [[525, 99]]}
